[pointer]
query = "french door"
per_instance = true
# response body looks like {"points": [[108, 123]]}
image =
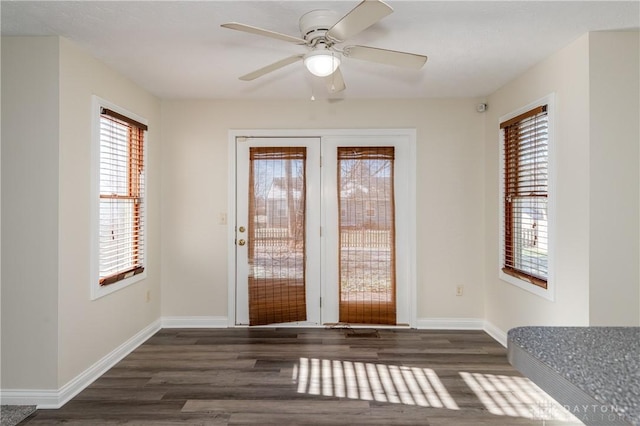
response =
{"points": [[277, 231], [316, 238]]}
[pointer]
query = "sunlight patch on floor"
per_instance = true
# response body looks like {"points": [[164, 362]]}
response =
{"points": [[372, 382], [515, 397], [501, 395]]}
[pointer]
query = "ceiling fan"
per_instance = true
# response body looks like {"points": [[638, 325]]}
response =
{"points": [[322, 32]]}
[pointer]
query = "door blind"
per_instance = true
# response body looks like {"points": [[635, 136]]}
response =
{"points": [[367, 235], [276, 235]]}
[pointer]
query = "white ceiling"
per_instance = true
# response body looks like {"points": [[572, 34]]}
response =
{"points": [[177, 49]]}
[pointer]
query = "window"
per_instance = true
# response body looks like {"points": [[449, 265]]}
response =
{"points": [[121, 198], [525, 197]]}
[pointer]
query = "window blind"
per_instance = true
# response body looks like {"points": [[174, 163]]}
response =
{"points": [[525, 181], [121, 233]]}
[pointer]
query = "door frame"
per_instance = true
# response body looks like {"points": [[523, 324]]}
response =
{"points": [[407, 263]]}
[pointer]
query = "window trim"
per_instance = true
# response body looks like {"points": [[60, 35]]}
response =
{"points": [[96, 290], [512, 278]]}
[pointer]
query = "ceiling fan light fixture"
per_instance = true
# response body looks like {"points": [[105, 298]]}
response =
{"points": [[321, 62]]}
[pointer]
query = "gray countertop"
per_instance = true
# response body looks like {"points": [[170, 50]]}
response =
{"points": [[604, 362]]}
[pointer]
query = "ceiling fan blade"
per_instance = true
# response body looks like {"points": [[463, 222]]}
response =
{"points": [[358, 19], [270, 68], [335, 82], [384, 56], [259, 31]]}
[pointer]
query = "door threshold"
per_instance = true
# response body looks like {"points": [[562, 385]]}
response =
{"points": [[339, 325], [329, 325]]}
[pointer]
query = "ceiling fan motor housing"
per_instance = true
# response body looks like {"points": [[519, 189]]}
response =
{"points": [[315, 24]]}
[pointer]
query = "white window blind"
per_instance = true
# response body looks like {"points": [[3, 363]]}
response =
{"points": [[121, 233], [525, 180]]}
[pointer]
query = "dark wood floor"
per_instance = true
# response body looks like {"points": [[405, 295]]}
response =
{"points": [[311, 376]]}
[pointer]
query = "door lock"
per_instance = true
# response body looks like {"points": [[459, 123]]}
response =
{"points": [[241, 229], [241, 242]]}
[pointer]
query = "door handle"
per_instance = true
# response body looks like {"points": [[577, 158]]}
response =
{"points": [[241, 242]]}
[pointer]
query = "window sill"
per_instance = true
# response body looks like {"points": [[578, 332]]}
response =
{"points": [[545, 293], [525, 277], [98, 291]]}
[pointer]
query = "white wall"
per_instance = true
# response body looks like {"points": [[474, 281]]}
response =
{"points": [[597, 196], [449, 190], [52, 331], [29, 212], [567, 74], [614, 88], [88, 330]]}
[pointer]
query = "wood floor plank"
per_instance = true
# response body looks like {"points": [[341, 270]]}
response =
{"points": [[186, 356], [120, 394], [300, 419], [271, 406], [180, 364], [188, 421], [294, 376], [219, 378]]}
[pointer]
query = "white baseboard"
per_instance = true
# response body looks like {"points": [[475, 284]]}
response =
{"points": [[463, 324], [42, 398], [47, 399], [450, 323], [195, 322], [493, 331]]}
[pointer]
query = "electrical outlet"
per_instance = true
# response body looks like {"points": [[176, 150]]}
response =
{"points": [[148, 296], [459, 290]]}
